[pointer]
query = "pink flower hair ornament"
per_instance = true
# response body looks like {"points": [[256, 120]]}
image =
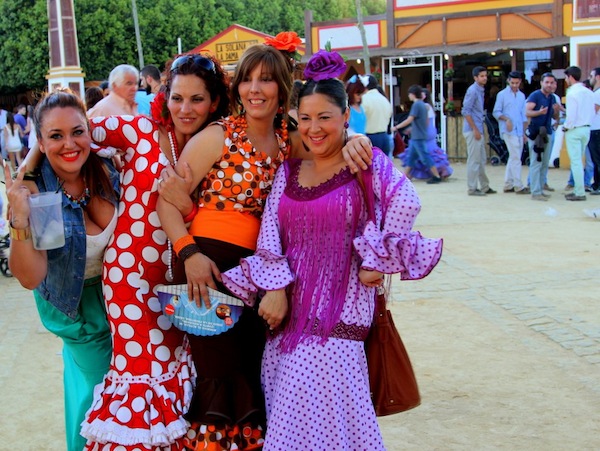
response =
{"points": [[323, 65]]}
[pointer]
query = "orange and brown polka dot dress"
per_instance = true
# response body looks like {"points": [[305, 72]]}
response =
{"points": [[233, 194]]}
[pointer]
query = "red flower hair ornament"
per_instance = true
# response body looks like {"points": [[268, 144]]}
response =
{"points": [[159, 111], [286, 41]]}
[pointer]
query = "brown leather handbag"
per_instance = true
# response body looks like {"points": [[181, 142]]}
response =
{"points": [[393, 384], [392, 380]]}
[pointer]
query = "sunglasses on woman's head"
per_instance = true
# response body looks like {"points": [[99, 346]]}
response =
{"points": [[197, 60]]}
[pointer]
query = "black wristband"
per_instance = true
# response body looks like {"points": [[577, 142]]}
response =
{"points": [[188, 251]]}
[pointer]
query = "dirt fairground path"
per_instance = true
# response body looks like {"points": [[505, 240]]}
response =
{"points": [[504, 334]]}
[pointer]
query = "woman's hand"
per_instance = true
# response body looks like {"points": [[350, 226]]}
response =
{"points": [[175, 189], [200, 270], [18, 198], [273, 307], [358, 153], [370, 278]]}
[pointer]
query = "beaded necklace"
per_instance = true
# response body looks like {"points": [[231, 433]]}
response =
{"points": [[174, 154], [283, 131], [82, 200]]}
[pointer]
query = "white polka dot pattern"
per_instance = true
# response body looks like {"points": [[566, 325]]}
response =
{"points": [[148, 387]]}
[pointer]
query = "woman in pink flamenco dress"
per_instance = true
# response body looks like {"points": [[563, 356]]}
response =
{"points": [[320, 261]]}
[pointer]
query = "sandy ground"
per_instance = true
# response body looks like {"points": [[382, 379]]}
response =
{"points": [[504, 335]]}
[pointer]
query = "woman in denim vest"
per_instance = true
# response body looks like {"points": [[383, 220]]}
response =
{"points": [[66, 281]]}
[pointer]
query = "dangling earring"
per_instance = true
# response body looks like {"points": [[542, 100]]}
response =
{"points": [[280, 110]]}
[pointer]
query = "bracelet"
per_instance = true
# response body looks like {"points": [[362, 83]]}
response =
{"points": [[19, 234], [192, 214], [188, 251], [183, 242]]}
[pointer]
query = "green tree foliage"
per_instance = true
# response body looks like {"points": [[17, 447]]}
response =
{"points": [[23, 45], [106, 32]]}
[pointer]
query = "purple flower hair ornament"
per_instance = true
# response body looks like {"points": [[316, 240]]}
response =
{"points": [[323, 65]]}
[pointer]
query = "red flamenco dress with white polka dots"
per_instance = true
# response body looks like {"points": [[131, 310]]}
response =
{"points": [[140, 404]]}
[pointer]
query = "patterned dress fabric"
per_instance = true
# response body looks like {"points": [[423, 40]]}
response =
{"points": [[227, 410], [140, 404], [314, 374]]}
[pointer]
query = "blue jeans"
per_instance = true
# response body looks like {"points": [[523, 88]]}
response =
{"points": [[594, 148], [538, 169], [381, 140]]}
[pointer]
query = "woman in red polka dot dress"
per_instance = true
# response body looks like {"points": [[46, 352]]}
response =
{"points": [[141, 403]]}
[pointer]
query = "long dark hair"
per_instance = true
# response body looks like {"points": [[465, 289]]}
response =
{"points": [[94, 170], [215, 79], [10, 120]]}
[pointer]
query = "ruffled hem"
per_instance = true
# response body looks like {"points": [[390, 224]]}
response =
{"points": [[413, 256], [262, 271], [130, 410]]}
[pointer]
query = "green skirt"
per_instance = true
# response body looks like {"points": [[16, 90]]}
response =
{"points": [[86, 353]]}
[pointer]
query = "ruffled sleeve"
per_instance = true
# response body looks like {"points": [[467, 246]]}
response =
{"points": [[268, 268], [395, 247]]}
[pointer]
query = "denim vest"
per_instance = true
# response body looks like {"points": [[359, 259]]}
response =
{"points": [[63, 284]]}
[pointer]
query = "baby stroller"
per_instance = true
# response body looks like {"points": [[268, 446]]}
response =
{"points": [[4, 244], [496, 142]]}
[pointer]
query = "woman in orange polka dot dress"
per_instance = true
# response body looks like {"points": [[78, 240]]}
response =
{"points": [[141, 403], [234, 162]]}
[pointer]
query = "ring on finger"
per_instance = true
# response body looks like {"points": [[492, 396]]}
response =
{"points": [[160, 181]]}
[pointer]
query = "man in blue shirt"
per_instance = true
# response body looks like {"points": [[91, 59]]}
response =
{"points": [[509, 111], [540, 108], [149, 86], [418, 134], [473, 115]]}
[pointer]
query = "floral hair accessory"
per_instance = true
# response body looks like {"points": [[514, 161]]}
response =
{"points": [[159, 111], [286, 41], [323, 65]]}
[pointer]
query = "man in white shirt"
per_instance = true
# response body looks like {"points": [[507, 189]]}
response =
{"points": [[594, 144], [580, 113], [379, 115], [123, 82]]}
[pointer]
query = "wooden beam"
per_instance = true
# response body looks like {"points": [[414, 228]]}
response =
{"points": [[498, 27], [534, 23], [444, 32], [419, 26]]}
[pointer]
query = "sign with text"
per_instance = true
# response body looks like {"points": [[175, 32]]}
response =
{"points": [[230, 52]]}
